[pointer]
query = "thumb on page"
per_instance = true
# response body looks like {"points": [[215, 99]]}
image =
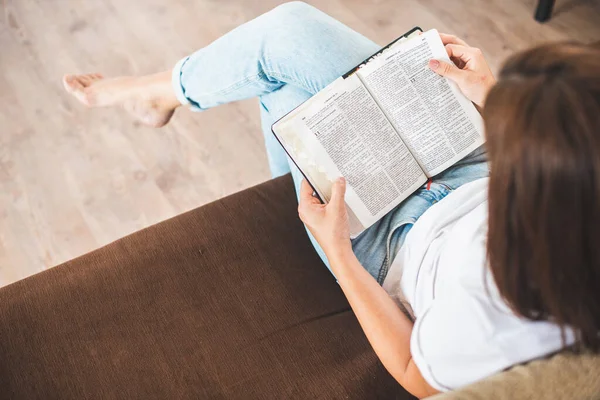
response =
{"points": [[338, 191], [448, 70]]}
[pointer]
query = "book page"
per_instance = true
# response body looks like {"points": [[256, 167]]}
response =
{"points": [[437, 122], [341, 131]]}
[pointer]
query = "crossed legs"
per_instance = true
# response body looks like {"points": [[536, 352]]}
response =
{"points": [[283, 57], [293, 44]]}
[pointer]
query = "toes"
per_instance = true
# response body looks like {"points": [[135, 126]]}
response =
{"points": [[78, 86], [72, 83], [85, 79], [89, 78], [79, 82], [66, 80]]}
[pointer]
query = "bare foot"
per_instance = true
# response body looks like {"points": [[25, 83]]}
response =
{"points": [[148, 99]]}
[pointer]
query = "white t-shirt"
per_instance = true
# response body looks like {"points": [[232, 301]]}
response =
{"points": [[463, 330]]}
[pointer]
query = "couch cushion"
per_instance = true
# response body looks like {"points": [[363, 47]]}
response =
{"points": [[564, 376], [225, 301]]}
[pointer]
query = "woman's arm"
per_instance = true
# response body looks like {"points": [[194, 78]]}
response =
{"points": [[383, 322], [385, 325]]}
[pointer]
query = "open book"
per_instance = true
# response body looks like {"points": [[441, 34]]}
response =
{"points": [[387, 126]]}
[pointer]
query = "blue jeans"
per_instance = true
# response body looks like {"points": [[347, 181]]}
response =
{"points": [[284, 57]]}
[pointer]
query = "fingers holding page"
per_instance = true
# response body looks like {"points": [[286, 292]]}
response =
{"points": [[451, 39], [463, 53]]}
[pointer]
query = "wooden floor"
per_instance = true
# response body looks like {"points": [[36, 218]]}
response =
{"points": [[73, 179]]}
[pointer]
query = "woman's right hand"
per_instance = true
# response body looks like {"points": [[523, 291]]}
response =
{"points": [[470, 71]]}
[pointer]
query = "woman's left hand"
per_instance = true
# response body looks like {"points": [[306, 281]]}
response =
{"points": [[327, 222]]}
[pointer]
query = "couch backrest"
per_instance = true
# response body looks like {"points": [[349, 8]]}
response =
{"points": [[227, 301]]}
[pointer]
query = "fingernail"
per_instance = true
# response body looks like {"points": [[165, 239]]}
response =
{"points": [[434, 64], [341, 180]]}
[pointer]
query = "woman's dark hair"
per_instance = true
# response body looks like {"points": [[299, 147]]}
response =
{"points": [[542, 123]]}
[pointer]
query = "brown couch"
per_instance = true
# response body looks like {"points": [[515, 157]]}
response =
{"points": [[228, 301]]}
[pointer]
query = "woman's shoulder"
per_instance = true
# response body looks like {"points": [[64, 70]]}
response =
{"points": [[469, 333]]}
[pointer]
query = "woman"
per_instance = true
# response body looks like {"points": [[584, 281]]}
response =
{"points": [[487, 283]]}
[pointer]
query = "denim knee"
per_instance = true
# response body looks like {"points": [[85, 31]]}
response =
{"points": [[306, 47], [294, 12]]}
